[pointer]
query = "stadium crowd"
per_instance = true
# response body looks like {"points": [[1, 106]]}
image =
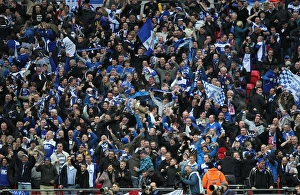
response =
{"points": [[83, 102]]}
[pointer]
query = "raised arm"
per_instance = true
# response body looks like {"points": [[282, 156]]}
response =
{"points": [[250, 17]]}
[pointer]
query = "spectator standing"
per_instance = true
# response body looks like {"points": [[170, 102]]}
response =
{"points": [[67, 177], [145, 162], [48, 176], [24, 164], [4, 174], [123, 176], [82, 177], [261, 177], [59, 157], [108, 177]]}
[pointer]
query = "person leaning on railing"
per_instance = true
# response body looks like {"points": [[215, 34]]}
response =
{"points": [[261, 177]]}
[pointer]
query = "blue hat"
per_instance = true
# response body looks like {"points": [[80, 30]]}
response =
{"points": [[260, 160], [166, 13], [83, 145], [124, 140], [179, 8], [287, 57], [47, 158]]}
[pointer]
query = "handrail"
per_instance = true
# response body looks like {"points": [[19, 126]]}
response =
{"points": [[96, 190]]}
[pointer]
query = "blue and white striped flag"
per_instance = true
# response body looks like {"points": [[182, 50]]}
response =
{"points": [[214, 92], [146, 36], [186, 42], [290, 82]]}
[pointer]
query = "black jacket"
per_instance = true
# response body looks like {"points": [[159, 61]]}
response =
{"points": [[170, 173], [48, 173], [264, 138], [258, 102], [261, 180], [123, 180], [82, 179], [104, 162], [63, 177], [24, 175]]}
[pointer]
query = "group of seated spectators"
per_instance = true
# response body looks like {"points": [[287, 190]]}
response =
{"points": [[79, 92]]}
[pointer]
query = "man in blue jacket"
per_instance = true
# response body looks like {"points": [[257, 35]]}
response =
{"points": [[194, 181]]}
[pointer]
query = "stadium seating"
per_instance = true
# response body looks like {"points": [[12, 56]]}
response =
{"points": [[255, 75]]}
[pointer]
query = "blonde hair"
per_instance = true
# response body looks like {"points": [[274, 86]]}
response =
{"points": [[239, 23]]}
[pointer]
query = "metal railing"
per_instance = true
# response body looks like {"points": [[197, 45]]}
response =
{"points": [[239, 189], [90, 191]]}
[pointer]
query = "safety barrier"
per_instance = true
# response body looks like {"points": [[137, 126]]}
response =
{"points": [[239, 189]]}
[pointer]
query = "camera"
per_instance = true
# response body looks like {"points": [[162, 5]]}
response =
{"points": [[177, 175], [146, 188], [215, 188], [104, 190]]}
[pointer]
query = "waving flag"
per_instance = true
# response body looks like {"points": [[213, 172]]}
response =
{"points": [[146, 36], [290, 82], [19, 75], [214, 92]]}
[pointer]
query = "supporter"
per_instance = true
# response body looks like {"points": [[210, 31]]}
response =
{"points": [[243, 137], [59, 157], [272, 136], [236, 147], [93, 170], [108, 176], [228, 165], [286, 100], [287, 132], [238, 168], [67, 177], [144, 179], [24, 164], [240, 10], [5, 177], [82, 177], [274, 44], [48, 176], [270, 78], [261, 177], [211, 27], [290, 145], [109, 159], [220, 46], [170, 173], [165, 163], [204, 166], [257, 102], [80, 68], [123, 176], [216, 126]]}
